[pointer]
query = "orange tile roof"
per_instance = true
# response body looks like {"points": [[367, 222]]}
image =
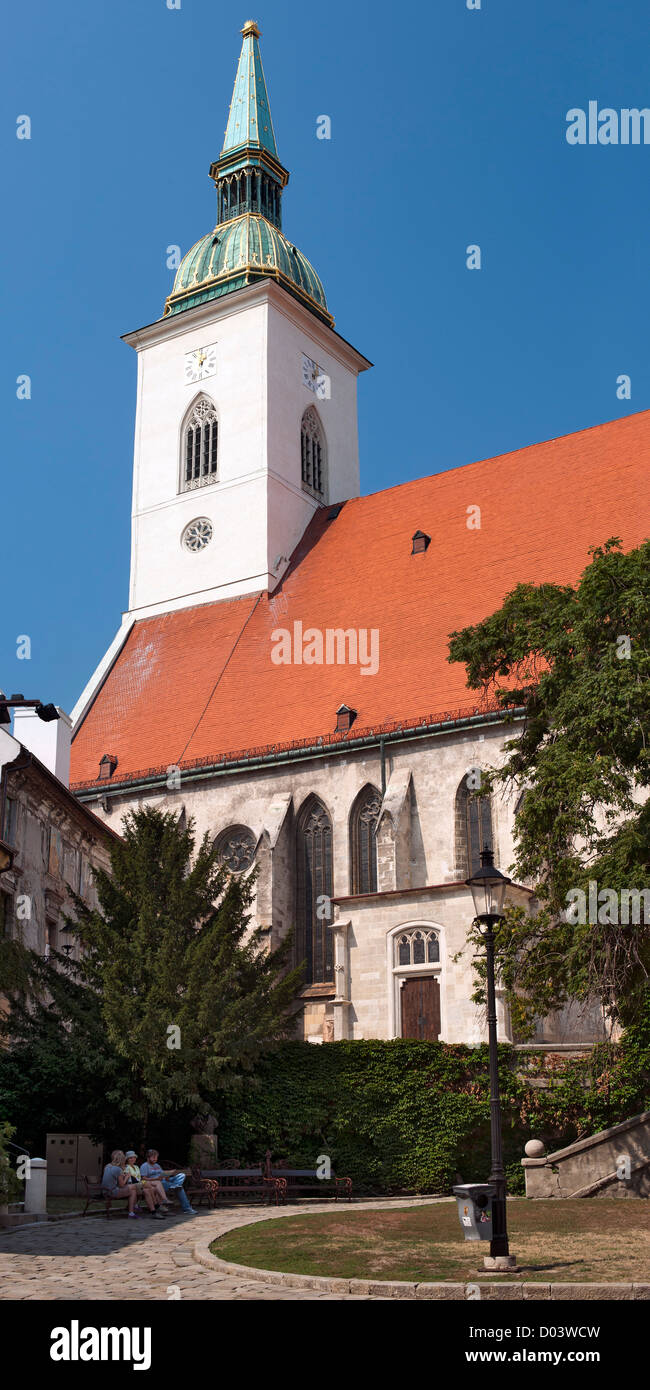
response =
{"points": [[199, 684]]}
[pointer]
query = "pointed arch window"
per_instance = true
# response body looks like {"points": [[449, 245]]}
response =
{"points": [[363, 841], [199, 446], [314, 940], [417, 947], [313, 454], [473, 829]]}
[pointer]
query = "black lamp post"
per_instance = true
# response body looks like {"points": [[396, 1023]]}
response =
{"points": [[48, 713], [488, 887]]}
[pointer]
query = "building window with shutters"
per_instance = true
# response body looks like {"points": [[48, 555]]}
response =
{"points": [[315, 889], [416, 968], [363, 841], [473, 829], [313, 455], [199, 441]]}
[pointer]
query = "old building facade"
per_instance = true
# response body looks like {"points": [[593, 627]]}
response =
{"points": [[282, 670], [55, 843]]}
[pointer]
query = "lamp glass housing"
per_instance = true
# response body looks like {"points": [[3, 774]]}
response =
{"points": [[488, 887]]}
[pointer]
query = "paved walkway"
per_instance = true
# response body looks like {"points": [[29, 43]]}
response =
{"points": [[151, 1260]]}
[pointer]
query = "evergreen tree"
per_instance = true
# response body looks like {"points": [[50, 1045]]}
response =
{"points": [[58, 1070], [173, 997], [189, 994]]}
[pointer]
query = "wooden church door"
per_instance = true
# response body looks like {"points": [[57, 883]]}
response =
{"points": [[421, 1008]]}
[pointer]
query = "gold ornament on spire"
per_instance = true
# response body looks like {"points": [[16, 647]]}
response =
{"points": [[250, 27]]}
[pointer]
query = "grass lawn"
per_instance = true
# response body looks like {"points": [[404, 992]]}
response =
{"points": [[606, 1241]]}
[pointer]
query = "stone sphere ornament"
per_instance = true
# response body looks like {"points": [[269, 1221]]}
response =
{"points": [[535, 1149]]}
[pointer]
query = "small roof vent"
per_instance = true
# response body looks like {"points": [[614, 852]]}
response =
{"points": [[107, 766], [420, 543], [345, 718]]}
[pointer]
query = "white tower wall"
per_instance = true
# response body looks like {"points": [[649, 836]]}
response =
{"points": [[257, 507]]}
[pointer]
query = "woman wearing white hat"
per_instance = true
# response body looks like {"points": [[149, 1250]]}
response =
{"points": [[153, 1192]]}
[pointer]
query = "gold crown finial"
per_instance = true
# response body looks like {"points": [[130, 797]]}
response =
{"points": [[250, 27]]}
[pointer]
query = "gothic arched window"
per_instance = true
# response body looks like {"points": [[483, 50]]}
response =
{"points": [[314, 942], [313, 460], [417, 947], [473, 828], [199, 446], [363, 843]]}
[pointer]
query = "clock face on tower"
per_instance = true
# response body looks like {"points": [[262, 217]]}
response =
{"points": [[310, 373], [315, 379], [201, 363]]}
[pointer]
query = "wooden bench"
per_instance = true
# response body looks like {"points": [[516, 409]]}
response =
{"points": [[94, 1192], [197, 1185], [298, 1180], [275, 1183], [244, 1182]]}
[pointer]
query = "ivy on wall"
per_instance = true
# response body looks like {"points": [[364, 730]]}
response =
{"points": [[408, 1115]]}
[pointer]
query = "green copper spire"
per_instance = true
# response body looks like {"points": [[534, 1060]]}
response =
{"points": [[248, 173], [247, 245], [249, 119]]}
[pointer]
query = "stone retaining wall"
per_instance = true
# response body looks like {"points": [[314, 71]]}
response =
{"points": [[590, 1167]]}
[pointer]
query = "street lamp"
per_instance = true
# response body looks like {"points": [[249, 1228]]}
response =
{"points": [[488, 887], [48, 713]]}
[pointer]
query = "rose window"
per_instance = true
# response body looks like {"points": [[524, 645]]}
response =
{"points": [[236, 847], [198, 534]]}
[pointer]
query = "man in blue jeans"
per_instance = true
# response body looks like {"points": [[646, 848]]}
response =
{"points": [[172, 1180]]}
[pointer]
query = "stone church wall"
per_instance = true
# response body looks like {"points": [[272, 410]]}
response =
{"points": [[420, 869]]}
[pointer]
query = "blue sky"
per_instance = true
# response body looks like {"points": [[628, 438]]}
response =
{"points": [[448, 129]]}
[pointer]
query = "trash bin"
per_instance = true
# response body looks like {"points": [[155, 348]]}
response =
{"points": [[475, 1209]]}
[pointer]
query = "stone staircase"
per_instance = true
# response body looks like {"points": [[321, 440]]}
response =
{"points": [[612, 1163]]}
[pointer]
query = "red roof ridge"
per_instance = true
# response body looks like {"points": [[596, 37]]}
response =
{"points": [[495, 458]]}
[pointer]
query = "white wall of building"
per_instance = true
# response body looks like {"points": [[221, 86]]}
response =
{"points": [[49, 742], [257, 507]]}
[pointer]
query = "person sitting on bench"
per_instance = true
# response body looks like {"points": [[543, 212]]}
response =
{"points": [[115, 1183], [135, 1176], [171, 1181]]}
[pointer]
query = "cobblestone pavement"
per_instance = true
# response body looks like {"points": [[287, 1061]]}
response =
{"points": [[141, 1260]]}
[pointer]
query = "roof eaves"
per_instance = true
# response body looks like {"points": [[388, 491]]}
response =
{"points": [[324, 745], [65, 793]]}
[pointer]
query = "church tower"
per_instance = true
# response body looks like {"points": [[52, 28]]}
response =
{"points": [[246, 417]]}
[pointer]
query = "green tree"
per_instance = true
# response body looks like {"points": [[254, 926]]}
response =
{"points": [[58, 1070], [10, 1187], [189, 996], [577, 658]]}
